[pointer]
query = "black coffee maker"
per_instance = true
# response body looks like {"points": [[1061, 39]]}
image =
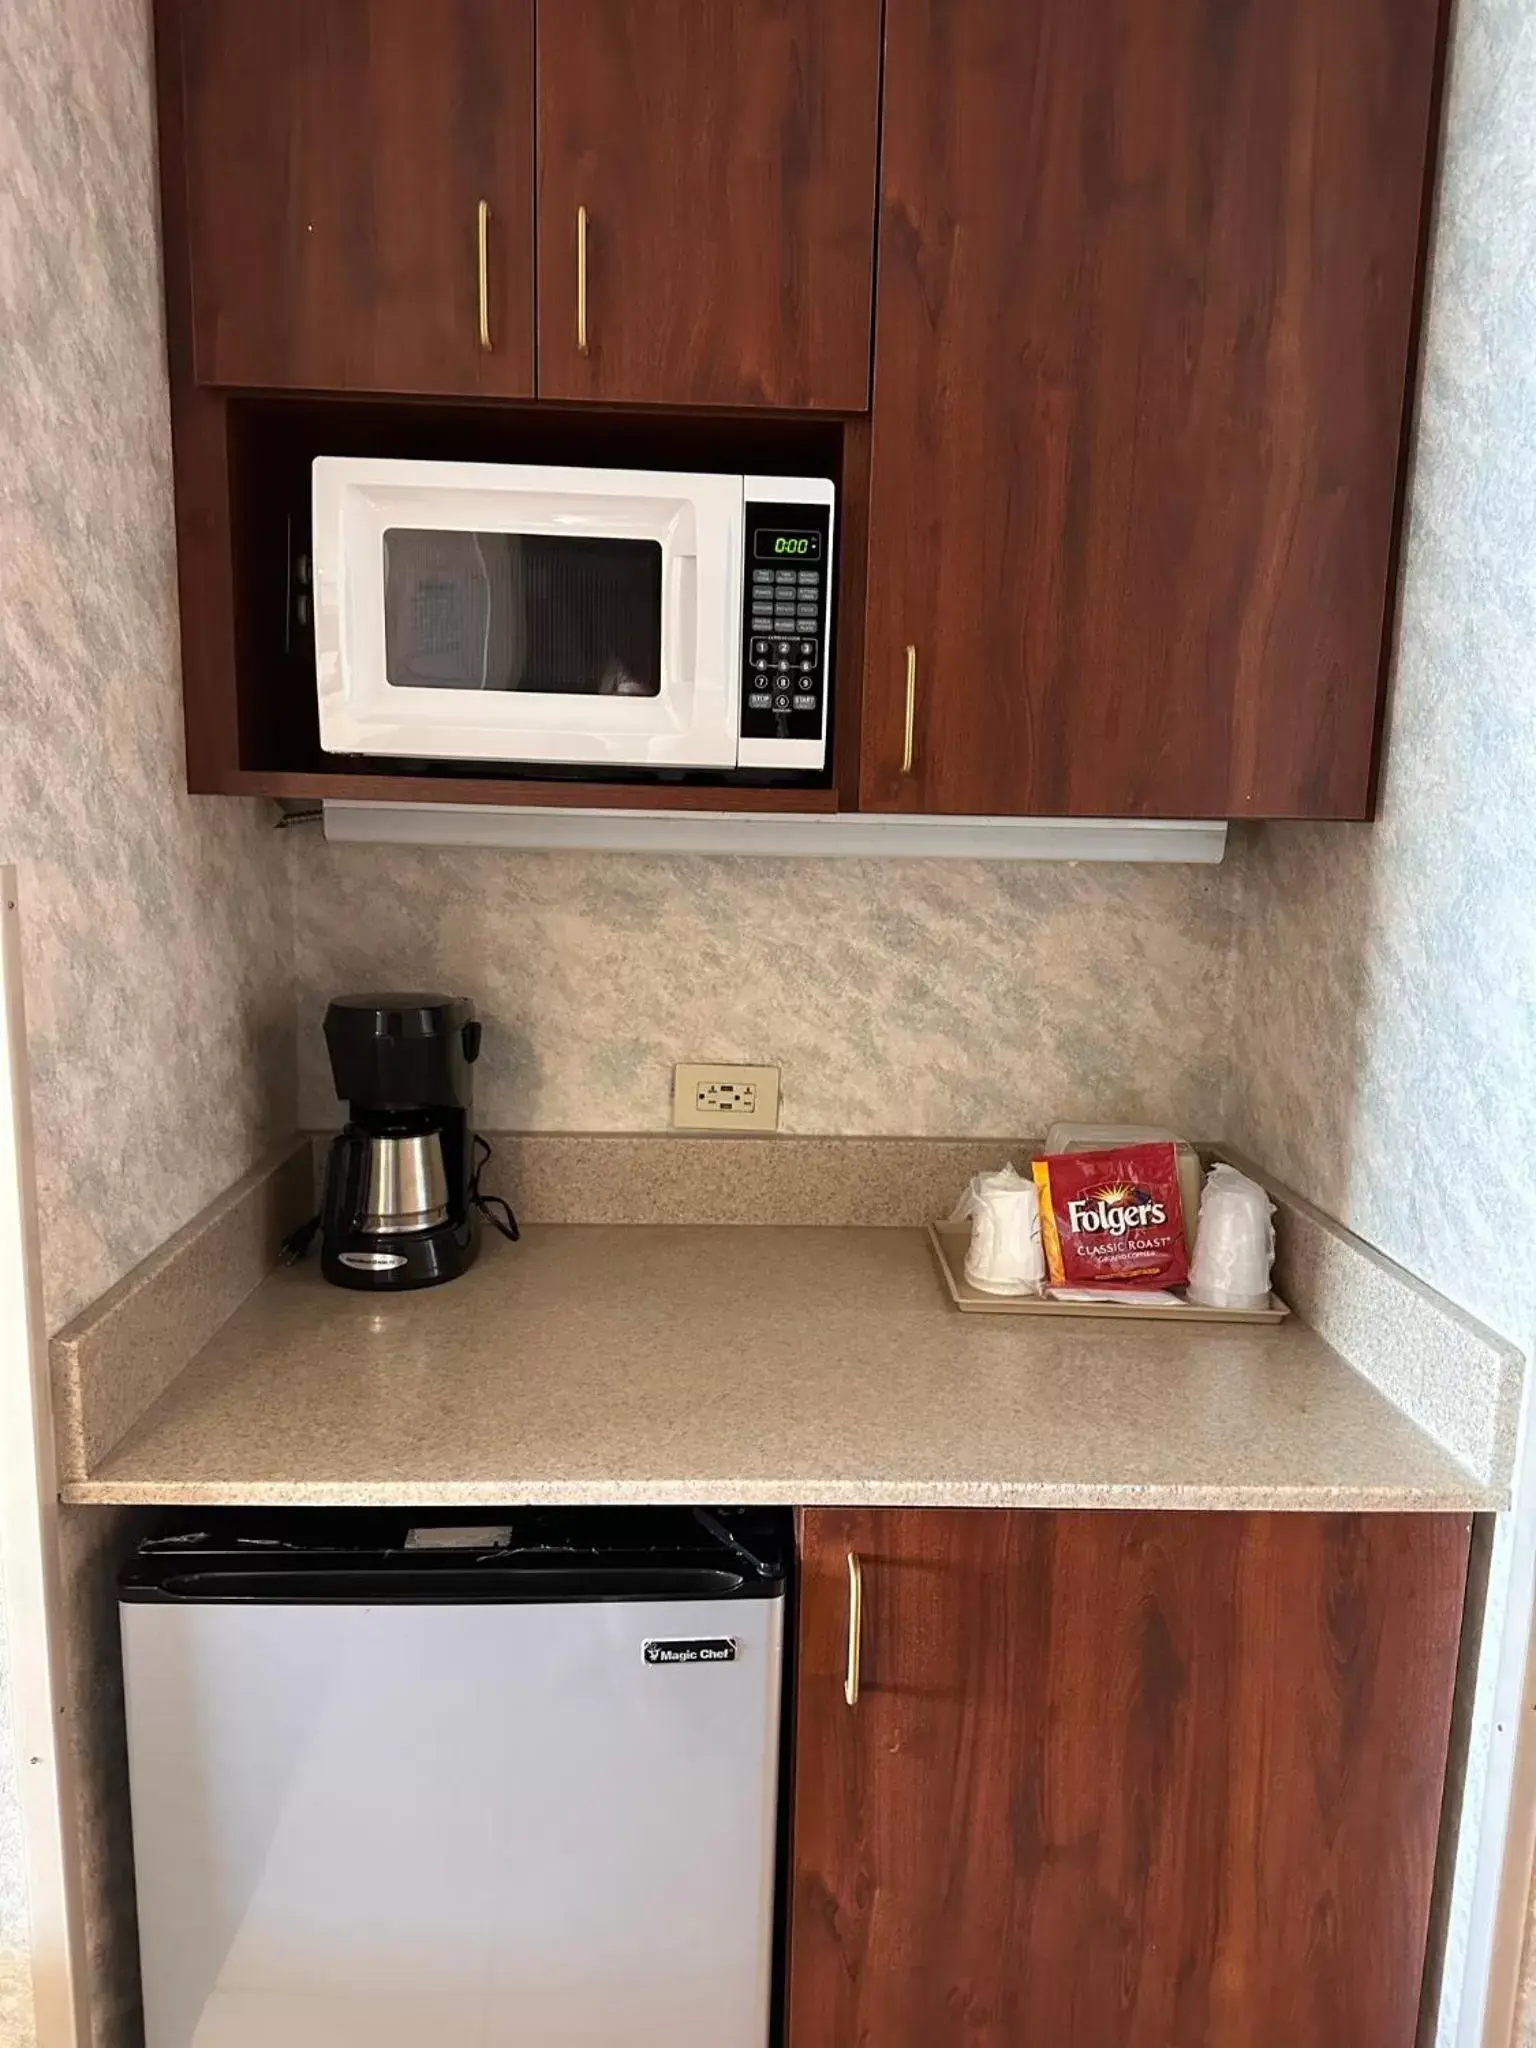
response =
{"points": [[401, 1183]]}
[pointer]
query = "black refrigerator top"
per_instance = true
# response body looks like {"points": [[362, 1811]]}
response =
{"points": [[341, 1555]]}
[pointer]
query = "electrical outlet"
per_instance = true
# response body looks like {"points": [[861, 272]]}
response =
{"points": [[706, 1098]]}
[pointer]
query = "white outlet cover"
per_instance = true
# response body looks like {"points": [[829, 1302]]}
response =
{"points": [[692, 1080]]}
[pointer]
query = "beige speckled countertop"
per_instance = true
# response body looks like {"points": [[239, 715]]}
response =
{"points": [[662, 1363]]}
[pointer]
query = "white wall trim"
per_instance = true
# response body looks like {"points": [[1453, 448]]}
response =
{"points": [[1502, 1874], [29, 1550], [1495, 1873]]}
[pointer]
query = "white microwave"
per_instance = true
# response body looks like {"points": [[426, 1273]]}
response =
{"points": [[598, 617]]}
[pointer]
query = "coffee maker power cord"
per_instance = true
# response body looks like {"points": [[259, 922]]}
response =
{"points": [[496, 1209]]}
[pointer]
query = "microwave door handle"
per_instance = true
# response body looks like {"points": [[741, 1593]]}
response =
{"points": [[683, 617]]}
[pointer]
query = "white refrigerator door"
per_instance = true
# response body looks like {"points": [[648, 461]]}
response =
{"points": [[475, 1827]]}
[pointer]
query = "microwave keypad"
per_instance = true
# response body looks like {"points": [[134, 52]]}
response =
{"points": [[786, 601], [786, 623], [784, 665]]}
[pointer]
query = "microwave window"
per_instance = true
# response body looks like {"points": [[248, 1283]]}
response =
{"points": [[562, 615]]}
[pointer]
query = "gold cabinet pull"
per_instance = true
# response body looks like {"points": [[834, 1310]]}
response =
{"points": [[484, 241], [855, 1628], [911, 730], [581, 279]]}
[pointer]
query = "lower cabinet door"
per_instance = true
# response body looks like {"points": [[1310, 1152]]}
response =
{"points": [[1114, 1780]]}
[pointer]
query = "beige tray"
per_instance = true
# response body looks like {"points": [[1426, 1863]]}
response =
{"points": [[950, 1241]]}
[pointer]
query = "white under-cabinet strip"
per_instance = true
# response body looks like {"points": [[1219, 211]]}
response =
{"points": [[535, 828]]}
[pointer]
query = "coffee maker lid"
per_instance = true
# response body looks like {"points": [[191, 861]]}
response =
{"points": [[400, 1014], [402, 1051]]}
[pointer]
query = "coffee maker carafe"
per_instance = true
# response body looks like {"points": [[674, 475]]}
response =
{"points": [[400, 1194]]}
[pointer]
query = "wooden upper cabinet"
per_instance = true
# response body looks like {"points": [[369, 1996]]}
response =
{"points": [[724, 152], [1120, 1780], [337, 154], [1146, 298]]}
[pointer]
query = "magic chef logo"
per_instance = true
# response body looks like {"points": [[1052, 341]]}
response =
{"points": [[1114, 1211], [691, 1650]]}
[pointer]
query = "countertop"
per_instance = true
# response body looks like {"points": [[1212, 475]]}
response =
{"points": [[800, 1365]]}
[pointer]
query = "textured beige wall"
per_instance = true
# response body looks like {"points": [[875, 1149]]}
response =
{"points": [[155, 927], [914, 998]]}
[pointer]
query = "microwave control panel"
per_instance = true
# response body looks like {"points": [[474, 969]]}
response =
{"points": [[786, 638]]}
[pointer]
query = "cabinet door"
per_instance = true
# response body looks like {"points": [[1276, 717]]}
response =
{"points": [[1147, 275], [1120, 1780], [723, 156], [337, 157]]}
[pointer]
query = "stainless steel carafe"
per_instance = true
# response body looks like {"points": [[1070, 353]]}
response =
{"points": [[406, 1184], [390, 1217]]}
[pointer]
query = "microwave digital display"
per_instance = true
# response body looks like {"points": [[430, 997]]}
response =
{"points": [[787, 547]]}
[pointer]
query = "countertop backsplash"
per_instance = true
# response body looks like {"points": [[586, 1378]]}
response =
{"points": [[944, 998]]}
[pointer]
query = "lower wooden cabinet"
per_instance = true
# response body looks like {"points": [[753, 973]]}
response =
{"points": [[1116, 1780]]}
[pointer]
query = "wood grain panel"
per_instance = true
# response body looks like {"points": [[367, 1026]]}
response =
{"points": [[199, 460], [1120, 1780], [336, 156], [1146, 297], [726, 158]]}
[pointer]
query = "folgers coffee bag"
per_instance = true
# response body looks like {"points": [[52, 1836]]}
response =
{"points": [[1113, 1219]]}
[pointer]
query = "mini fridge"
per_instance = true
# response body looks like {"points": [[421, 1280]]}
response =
{"points": [[500, 1780]]}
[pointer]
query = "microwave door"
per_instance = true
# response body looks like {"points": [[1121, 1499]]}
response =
{"points": [[488, 615]]}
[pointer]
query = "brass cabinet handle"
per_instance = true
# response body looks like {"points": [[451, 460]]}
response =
{"points": [[581, 279], [907, 743], [484, 238], [855, 1628]]}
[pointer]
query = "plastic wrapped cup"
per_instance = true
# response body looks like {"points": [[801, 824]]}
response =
{"points": [[1235, 1243], [1006, 1255]]}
